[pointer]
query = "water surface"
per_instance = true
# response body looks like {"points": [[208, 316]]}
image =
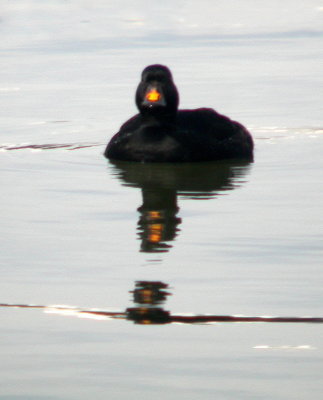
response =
{"points": [[120, 245]]}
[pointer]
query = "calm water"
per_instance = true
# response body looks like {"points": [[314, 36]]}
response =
{"points": [[129, 251]]}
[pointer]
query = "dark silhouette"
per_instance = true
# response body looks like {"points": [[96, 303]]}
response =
{"points": [[162, 133]]}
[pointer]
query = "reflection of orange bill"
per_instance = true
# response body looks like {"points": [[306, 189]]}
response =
{"points": [[155, 233], [153, 95], [154, 214]]}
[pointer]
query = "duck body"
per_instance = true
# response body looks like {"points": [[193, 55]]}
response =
{"points": [[162, 133]]}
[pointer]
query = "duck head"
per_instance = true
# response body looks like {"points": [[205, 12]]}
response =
{"points": [[157, 94]]}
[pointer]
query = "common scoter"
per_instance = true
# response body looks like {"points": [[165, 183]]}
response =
{"points": [[162, 133]]}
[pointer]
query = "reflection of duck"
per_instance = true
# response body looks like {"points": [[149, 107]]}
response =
{"points": [[162, 133], [149, 293], [148, 296], [158, 221], [161, 183]]}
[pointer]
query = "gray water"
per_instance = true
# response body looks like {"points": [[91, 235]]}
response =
{"points": [[223, 238]]}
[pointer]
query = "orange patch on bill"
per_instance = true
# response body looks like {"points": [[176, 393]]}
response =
{"points": [[153, 95]]}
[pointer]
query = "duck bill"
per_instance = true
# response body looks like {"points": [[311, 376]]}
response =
{"points": [[153, 97]]}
